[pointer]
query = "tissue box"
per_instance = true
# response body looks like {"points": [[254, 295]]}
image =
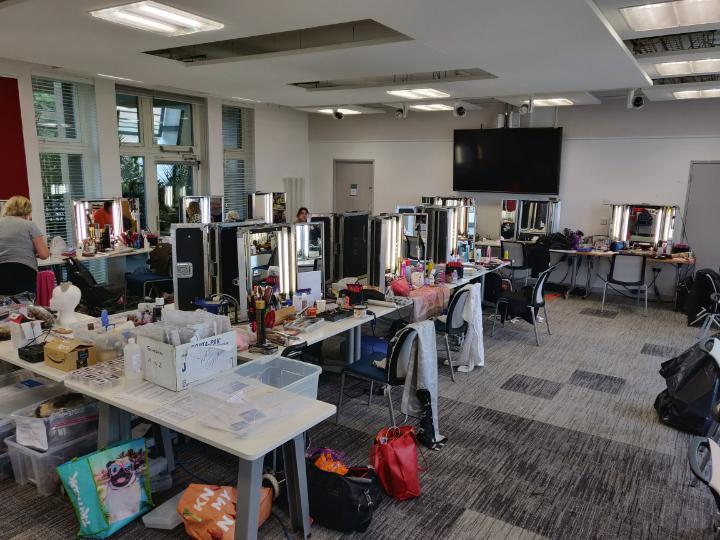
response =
{"points": [[70, 354], [178, 367]]}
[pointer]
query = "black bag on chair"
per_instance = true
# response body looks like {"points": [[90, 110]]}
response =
{"points": [[693, 387], [343, 503]]}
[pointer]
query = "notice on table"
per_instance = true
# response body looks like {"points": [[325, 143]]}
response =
{"points": [[176, 411]]}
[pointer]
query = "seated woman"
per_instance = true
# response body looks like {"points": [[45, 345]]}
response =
{"points": [[21, 242], [193, 212]]}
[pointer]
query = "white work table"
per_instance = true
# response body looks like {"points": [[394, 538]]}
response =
{"points": [[9, 354], [57, 260], [117, 404]]}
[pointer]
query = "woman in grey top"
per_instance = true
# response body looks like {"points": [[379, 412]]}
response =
{"points": [[21, 242]]}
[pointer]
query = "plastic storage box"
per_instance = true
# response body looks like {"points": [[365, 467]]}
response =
{"points": [[61, 426], [38, 468], [283, 373], [5, 466], [7, 429]]}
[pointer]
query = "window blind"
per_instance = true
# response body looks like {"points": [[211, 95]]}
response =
{"points": [[239, 157], [55, 108]]}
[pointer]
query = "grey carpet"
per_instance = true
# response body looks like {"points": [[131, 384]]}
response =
{"points": [[592, 462]]}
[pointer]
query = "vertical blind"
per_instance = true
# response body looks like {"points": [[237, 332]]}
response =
{"points": [[239, 157]]}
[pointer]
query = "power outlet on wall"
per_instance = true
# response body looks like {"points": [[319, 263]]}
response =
{"points": [[604, 222]]}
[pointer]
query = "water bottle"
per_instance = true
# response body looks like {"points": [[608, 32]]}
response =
{"points": [[133, 361]]}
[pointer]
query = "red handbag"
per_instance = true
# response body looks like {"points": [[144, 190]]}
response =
{"points": [[393, 455]]}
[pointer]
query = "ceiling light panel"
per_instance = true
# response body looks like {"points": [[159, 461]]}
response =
{"points": [[431, 107], [116, 78], [691, 67], [157, 17], [697, 94], [344, 111], [419, 93], [552, 102], [671, 14]]}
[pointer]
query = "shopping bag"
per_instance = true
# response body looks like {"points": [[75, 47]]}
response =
{"points": [[394, 456], [108, 488], [209, 512]]}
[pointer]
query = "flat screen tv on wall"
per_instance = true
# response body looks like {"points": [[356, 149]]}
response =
{"points": [[509, 160]]}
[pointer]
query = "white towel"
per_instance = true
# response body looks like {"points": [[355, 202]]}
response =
{"points": [[473, 348], [422, 374]]}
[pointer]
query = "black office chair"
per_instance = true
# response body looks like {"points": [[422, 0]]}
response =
{"points": [[517, 253], [452, 324], [16, 278], [627, 271], [524, 304], [95, 296], [401, 350]]}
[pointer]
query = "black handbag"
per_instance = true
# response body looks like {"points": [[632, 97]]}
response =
{"points": [[343, 503]]}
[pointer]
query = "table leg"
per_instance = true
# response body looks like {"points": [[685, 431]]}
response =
{"points": [[350, 345], [296, 483], [113, 425], [358, 342], [677, 283], [248, 499], [573, 274], [590, 270]]}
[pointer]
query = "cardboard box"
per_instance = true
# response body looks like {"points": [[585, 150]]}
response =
{"points": [[70, 354], [178, 367]]}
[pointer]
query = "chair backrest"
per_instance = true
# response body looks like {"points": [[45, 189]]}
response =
{"points": [[516, 252], [401, 354], [16, 278], [538, 294], [627, 269], [455, 319], [79, 275]]}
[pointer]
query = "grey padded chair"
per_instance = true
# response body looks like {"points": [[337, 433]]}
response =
{"points": [[398, 359], [452, 324], [627, 271], [518, 258]]}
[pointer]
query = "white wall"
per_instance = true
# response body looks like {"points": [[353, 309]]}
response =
{"points": [[609, 154], [281, 146]]}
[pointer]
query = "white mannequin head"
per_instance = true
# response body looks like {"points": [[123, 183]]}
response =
{"points": [[65, 299]]}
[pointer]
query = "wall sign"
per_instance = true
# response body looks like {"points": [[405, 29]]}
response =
{"points": [[353, 190]]}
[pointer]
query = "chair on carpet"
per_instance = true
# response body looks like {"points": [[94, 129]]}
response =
{"points": [[701, 452], [398, 359], [452, 323], [627, 271], [517, 253], [524, 304], [156, 278]]}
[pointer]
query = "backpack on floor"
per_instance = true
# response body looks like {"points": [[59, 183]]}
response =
{"points": [[693, 388]]}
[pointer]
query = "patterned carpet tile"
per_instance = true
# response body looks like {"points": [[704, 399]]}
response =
{"points": [[597, 381], [663, 351], [532, 386], [597, 313]]}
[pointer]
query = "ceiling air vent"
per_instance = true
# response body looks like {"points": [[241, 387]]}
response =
{"points": [[690, 41], [318, 38], [427, 77], [690, 79]]}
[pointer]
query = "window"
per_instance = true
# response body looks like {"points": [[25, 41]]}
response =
{"points": [[132, 175], [239, 157], [66, 124], [128, 119], [152, 167], [55, 108], [172, 123]]}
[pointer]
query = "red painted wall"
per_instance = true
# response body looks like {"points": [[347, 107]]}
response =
{"points": [[13, 176]]}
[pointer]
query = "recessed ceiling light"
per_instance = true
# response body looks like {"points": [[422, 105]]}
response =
{"points": [[669, 69], [116, 78], [157, 17], [419, 93], [431, 107], [671, 14], [552, 102], [247, 99], [697, 94], [344, 111]]}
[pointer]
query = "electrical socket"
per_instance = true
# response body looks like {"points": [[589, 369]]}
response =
{"points": [[604, 222]]}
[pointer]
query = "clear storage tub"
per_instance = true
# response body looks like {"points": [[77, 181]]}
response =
{"points": [[5, 466], [38, 468], [283, 373], [61, 426], [7, 428]]}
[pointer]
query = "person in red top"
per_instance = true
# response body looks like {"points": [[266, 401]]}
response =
{"points": [[104, 216]]}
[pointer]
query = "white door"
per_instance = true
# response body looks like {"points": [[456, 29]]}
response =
{"points": [[702, 214], [353, 186]]}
